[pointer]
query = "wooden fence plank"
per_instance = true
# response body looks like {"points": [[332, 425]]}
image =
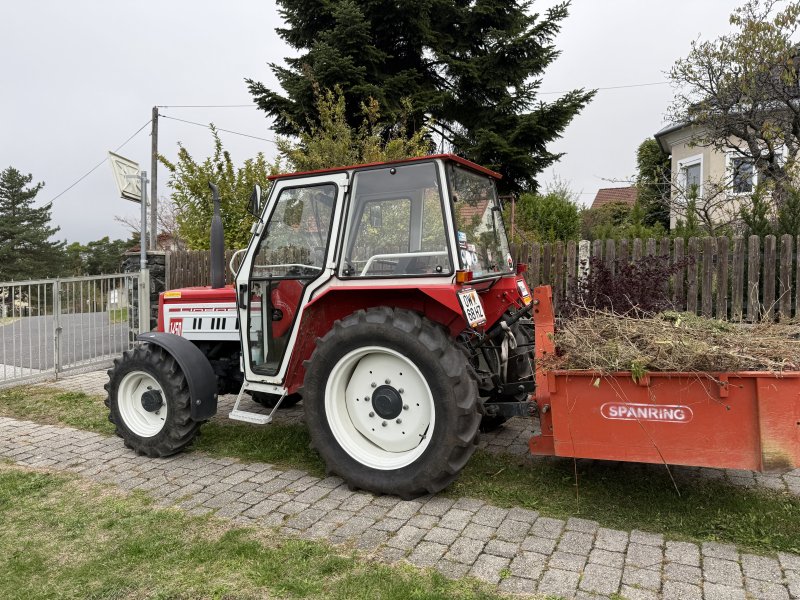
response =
{"points": [[572, 269], [737, 285], [547, 263], [785, 290], [707, 277], [637, 250], [651, 247], [534, 269], [584, 256], [797, 281], [691, 275], [610, 255], [678, 294], [770, 264], [722, 277], [597, 249], [558, 275], [753, 278], [622, 253]]}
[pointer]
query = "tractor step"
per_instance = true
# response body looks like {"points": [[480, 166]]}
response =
{"points": [[250, 417]]}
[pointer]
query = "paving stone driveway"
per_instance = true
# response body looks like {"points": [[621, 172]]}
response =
{"points": [[517, 550]]}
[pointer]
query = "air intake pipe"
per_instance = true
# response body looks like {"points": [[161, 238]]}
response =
{"points": [[217, 243]]}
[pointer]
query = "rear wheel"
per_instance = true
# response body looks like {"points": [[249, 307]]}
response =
{"points": [[148, 401], [390, 403]]}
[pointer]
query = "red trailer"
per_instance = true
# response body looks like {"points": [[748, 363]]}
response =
{"points": [[743, 420]]}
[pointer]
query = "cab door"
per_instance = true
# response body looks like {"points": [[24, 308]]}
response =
{"points": [[286, 261]]}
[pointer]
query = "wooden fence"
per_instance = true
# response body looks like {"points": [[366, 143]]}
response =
{"points": [[187, 268], [737, 279]]}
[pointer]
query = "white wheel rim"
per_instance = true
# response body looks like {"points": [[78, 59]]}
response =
{"points": [[129, 401], [376, 441]]}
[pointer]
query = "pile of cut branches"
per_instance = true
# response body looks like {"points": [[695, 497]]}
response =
{"points": [[672, 341]]}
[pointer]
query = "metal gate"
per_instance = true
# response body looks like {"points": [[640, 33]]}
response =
{"points": [[50, 326]]}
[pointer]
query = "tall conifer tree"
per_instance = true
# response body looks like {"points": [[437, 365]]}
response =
{"points": [[26, 251], [470, 69]]}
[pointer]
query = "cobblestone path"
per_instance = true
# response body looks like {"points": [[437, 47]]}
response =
{"points": [[517, 550]]}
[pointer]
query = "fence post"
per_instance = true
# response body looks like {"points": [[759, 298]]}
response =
{"points": [[584, 250], [737, 286], [769, 277], [144, 301], [753, 277], [786, 277], [722, 277], [678, 295], [691, 275], [56, 327], [706, 294]]}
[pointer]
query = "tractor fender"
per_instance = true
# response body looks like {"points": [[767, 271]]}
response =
{"points": [[195, 366]]}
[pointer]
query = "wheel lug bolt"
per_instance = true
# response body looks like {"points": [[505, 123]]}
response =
{"points": [[405, 406], [372, 414], [366, 398], [401, 390], [388, 381], [373, 384], [383, 424], [399, 421]]}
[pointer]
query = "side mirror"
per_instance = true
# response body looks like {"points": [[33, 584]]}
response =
{"points": [[255, 202]]}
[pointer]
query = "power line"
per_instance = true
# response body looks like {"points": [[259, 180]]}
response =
{"points": [[98, 165], [612, 87], [207, 106], [255, 137]]}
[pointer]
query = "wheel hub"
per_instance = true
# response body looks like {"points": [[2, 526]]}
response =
{"points": [[152, 400], [387, 402]]}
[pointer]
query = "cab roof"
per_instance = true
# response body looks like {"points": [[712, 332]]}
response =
{"points": [[451, 157]]}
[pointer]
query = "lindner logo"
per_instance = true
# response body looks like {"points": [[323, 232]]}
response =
{"points": [[667, 413]]}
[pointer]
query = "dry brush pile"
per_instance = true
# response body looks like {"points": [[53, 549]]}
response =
{"points": [[670, 341]]}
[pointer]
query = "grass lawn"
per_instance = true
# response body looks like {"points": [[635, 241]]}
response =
{"points": [[64, 538], [618, 496]]}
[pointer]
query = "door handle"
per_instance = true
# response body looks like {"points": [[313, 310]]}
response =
{"points": [[242, 300]]}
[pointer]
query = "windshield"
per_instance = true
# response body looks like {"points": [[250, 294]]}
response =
{"points": [[482, 242]]}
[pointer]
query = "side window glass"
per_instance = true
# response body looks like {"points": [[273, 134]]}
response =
{"points": [[396, 224], [296, 235]]}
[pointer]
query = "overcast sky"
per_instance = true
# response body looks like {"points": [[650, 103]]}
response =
{"points": [[80, 77]]}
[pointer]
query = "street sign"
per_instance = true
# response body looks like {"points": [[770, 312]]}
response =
{"points": [[126, 176]]}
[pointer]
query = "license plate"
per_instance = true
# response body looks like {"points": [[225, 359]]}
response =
{"points": [[472, 307], [524, 292]]}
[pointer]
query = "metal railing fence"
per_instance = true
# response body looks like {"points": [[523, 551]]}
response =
{"points": [[50, 326]]}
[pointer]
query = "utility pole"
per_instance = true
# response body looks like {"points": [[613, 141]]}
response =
{"points": [[154, 181]]}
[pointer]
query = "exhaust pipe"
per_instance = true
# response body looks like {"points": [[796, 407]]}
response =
{"points": [[217, 243]]}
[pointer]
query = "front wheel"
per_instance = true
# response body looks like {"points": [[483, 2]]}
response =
{"points": [[149, 403], [390, 403]]}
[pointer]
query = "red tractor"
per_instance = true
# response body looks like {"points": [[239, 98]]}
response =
{"points": [[383, 295]]}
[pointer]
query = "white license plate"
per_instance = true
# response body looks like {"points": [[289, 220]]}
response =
{"points": [[524, 293], [472, 307]]}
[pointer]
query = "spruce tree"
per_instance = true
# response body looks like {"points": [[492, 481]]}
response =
{"points": [[471, 70], [26, 251]]}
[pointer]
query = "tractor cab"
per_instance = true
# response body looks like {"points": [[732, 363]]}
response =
{"points": [[412, 223]]}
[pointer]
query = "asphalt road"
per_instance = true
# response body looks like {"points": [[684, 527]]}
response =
{"points": [[28, 341]]}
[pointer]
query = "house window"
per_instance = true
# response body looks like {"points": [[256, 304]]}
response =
{"points": [[742, 175], [691, 176]]}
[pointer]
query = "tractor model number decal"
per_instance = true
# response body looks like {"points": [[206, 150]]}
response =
{"points": [[176, 326], [472, 307], [666, 413]]}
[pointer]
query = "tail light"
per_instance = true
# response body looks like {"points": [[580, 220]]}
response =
{"points": [[463, 277]]}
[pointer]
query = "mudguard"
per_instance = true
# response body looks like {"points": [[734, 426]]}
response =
{"points": [[194, 364]]}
